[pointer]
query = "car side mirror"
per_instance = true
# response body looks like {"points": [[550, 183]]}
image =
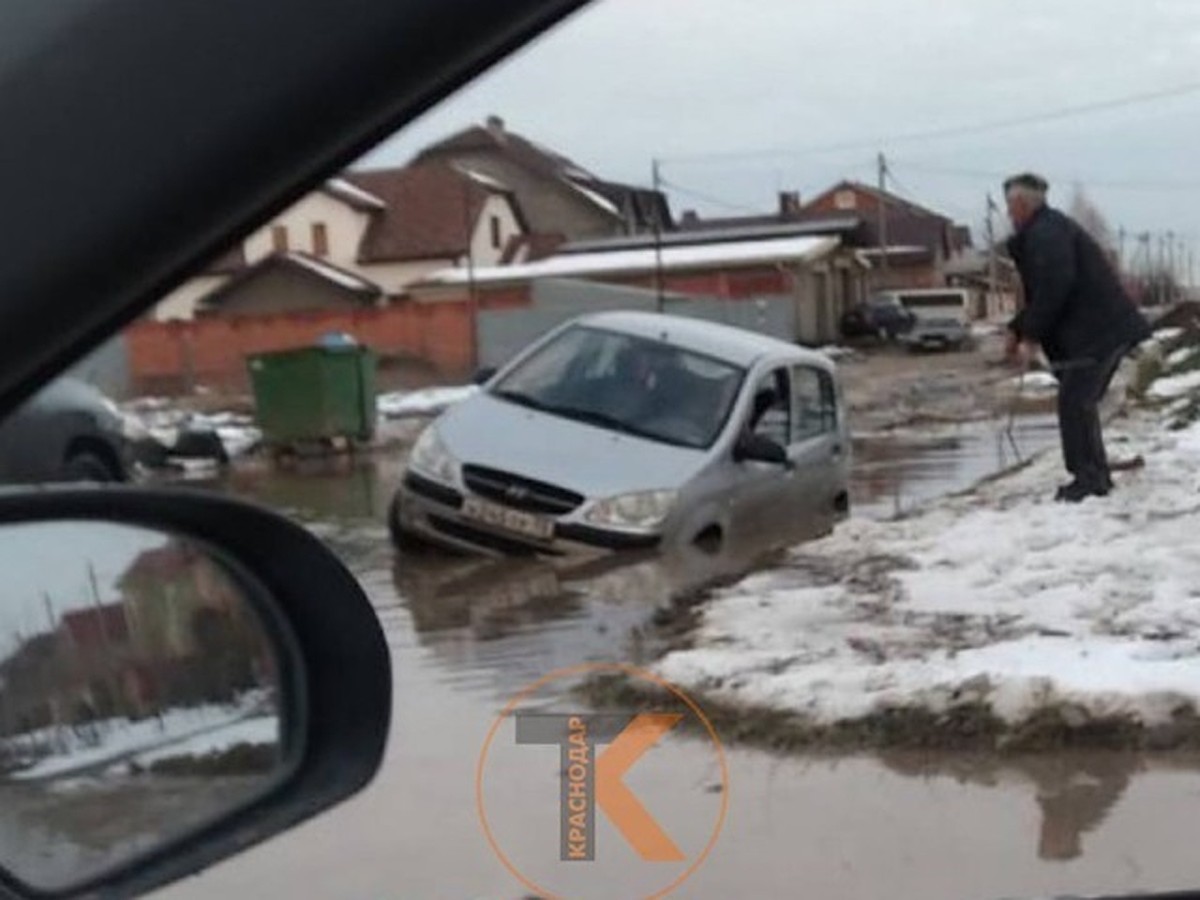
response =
{"points": [[751, 447], [484, 375], [166, 655]]}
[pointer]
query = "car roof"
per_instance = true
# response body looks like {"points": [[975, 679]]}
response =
{"points": [[739, 346]]}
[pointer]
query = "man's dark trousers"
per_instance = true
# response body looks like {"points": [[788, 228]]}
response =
{"points": [[1082, 385]]}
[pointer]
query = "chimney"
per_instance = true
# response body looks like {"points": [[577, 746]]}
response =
{"points": [[495, 125], [789, 203], [689, 217]]}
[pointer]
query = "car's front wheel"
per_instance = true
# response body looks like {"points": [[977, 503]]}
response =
{"points": [[87, 466], [403, 539]]}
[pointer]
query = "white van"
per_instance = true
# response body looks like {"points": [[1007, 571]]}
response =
{"points": [[942, 318]]}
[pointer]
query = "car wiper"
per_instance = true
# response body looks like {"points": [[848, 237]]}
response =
{"points": [[604, 420], [522, 399]]}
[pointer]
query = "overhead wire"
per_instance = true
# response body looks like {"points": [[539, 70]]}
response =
{"points": [[965, 130]]}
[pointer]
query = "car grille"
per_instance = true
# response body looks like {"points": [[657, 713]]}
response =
{"points": [[431, 490], [520, 493]]}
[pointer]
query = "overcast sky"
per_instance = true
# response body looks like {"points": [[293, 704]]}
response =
{"points": [[625, 81]]}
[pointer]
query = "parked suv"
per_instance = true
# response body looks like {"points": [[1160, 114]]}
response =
{"points": [[882, 317], [69, 431], [632, 430]]}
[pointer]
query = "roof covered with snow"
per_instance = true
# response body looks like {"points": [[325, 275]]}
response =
{"points": [[355, 196], [706, 256]]}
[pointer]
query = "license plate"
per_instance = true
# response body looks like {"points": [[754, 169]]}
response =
{"points": [[513, 520]]}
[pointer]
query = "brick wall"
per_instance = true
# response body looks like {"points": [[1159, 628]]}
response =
{"points": [[170, 356]]}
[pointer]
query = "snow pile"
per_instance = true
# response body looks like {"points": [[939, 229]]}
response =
{"points": [[1181, 357], [1172, 387], [1001, 597], [427, 402], [64, 750], [164, 420], [257, 731]]}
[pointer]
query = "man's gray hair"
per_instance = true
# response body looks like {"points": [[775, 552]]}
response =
{"points": [[1032, 187]]}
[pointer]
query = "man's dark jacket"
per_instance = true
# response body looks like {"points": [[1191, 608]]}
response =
{"points": [[1075, 306]]}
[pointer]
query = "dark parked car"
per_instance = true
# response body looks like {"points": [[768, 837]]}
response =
{"points": [[69, 431], [882, 318]]}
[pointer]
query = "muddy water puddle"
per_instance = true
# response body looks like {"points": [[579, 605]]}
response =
{"points": [[466, 635]]}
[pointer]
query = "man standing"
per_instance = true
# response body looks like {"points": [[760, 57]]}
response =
{"points": [[1078, 312]]}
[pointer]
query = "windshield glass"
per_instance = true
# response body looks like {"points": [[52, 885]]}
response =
{"points": [[627, 384]]}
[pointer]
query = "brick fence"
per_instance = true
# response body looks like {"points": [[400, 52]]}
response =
{"points": [[172, 356]]}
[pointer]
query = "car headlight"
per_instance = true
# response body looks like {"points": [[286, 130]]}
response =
{"points": [[642, 511], [430, 458]]}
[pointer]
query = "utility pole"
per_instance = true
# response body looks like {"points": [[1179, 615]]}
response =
{"points": [[1170, 267], [472, 297], [660, 288], [991, 240], [883, 235], [1121, 249]]}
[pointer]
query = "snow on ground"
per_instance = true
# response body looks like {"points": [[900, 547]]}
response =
{"points": [[164, 420], [833, 351], [1173, 387], [1000, 596], [1180, 357], [986, 329], [426, 402], [66, 750], [258, 730], [1035, 382]]}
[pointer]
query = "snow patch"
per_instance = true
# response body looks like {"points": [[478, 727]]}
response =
{"points": [[1174, 386], [65, 750], [427, 402], [1002, 596]]}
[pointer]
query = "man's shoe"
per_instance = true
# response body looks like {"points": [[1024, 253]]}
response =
{"points": [[1076, 492]]}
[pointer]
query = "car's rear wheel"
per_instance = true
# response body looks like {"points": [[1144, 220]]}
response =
{"points": [[87, 466]]}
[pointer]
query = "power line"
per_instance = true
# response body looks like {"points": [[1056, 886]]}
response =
{"points": [[1109, 184], [933, 134], [707, 198]]}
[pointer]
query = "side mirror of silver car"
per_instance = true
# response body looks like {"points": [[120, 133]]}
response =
{"points": [[202, 669]]}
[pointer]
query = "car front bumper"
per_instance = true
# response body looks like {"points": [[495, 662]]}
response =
{"points": [[434, 512]]}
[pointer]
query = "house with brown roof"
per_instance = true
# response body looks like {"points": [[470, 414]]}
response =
{"points": [[357, 241], [919, 241], [558, 195]]}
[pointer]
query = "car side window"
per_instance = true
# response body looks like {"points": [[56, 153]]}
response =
{"points": [[814, 403], [771, 414]]}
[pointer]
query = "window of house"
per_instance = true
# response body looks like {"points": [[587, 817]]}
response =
{"points": [[496, 235], [320, 239], [771, 414], [814, 403], [279, 238], [845, 200]]}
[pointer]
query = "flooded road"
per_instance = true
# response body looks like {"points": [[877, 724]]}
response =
{"points": [[465, 636]]}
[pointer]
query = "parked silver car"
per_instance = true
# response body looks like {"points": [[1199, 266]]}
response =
{"points": [[633, 430], [69, 431]]}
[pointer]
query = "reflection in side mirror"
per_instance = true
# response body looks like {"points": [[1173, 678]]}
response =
{"points": [[757, 448], [139, 697], [484, 375]]}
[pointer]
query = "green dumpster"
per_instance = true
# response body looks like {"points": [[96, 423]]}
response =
{"points": [[314, 394]]}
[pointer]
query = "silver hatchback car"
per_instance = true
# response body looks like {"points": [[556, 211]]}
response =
{"points": [[624, 430]]}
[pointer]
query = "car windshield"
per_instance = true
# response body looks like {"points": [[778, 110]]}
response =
{"points": [[627, 384]]}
